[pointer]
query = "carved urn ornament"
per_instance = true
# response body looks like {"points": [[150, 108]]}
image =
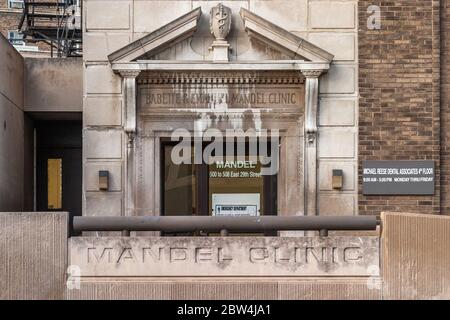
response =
{"points": [[220, 21], [220, 25]]}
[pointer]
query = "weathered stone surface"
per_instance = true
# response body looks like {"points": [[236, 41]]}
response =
{"points": [[337, 204], [236, 289], [296, 10], [332, 14], [341, 78], [102, 111], [415, 256], [97, 46], [43, 76], [237, 256], [103, 144], [281, 39], [167, 10], [337, 112], [33, 251], [282, 31], [337, 142], [341, 45], [103, 204], [107, 15], [157, 41], [101, 79]]}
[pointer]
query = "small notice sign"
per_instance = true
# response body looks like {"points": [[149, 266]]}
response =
{"points": [[235, 210], [235, 204], [398, 177]]}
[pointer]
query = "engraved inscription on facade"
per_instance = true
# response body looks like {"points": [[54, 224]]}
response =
{"points": [[222, 97], [225, 256]]}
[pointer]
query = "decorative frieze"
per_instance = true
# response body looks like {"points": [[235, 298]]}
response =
{"points": [[221, 77]]}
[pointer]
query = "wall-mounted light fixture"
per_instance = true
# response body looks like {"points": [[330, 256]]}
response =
{"points": [[103, 180], [337, 179]]}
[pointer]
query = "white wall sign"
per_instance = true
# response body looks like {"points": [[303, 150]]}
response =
{"points": [[235, 204]]}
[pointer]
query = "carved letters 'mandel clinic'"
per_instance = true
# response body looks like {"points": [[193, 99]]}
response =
{"points": [[240, 256]]}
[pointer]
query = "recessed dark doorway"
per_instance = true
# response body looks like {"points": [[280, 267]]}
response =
{"points": [[59, 167]]}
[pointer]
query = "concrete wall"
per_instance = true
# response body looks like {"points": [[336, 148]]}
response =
{"points": [[415, 260], [53, 85], [12, 126], [332, 25], [416, 256], [29, 85], [203, 289], [33, 251], [414, 265]]}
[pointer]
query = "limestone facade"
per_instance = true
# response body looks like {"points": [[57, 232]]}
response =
{"points": [[329, 27]]}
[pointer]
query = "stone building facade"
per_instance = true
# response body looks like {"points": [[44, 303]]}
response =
{"points": [[105, 91], [336, 84], [381, 97]]}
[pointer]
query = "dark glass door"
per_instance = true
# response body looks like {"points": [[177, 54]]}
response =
{"points": [[231, 187], [59, 167]]}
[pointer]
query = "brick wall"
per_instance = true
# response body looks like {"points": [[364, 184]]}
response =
{"points": [[399, 108], [445, 106], [10, 19]]}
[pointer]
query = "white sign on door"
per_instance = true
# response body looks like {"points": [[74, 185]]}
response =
{"points": [[235, 204]]}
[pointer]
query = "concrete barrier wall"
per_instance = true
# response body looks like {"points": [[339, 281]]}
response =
{"points": [[237, 289], [33, 255], [53, 85], [415, 264], [12, 126], [415, 256]]}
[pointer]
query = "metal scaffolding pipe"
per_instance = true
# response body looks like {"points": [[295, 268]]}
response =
{"points": [[220, 224]]}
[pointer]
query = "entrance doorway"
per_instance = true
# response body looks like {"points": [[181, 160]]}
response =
{"points": [[59, 167], [228, 187]]}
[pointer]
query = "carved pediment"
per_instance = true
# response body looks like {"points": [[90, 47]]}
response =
{"points": [[281, 39], [189, 38], [159, 40]]}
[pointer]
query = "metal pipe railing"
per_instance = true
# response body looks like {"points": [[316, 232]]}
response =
{"points": [[224, 225]]}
